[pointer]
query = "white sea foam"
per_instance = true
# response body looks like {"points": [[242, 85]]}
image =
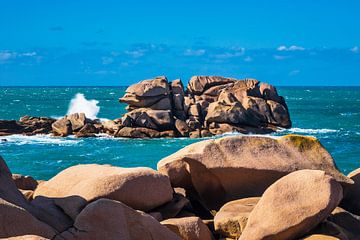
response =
{"points": [[79, 104], [39, 139], [310, 131]]}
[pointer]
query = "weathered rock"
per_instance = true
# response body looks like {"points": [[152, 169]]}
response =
{"points": [[188, 228], [234, 167], [177, 87], [231, 219], [349, 222], [328, 230], [26, 125], [16, 221], [8, 127], [351, 201], [182, 128], [233, 113], [307, 197], [109, 219], [88, 130], [62, 127], [159, 120], [24, 182], [28, 194], [320, 237], [198, 84], [138, 132], [173, 208], [112, 126], [94, 181]]}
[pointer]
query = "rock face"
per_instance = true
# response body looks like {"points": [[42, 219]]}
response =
{"points": [[109, 219], [188, 228], [26, 125], [307, 197], [75, 123], [201, 109], [231, 219], [93, 181], [351, 201], [220, 170]]}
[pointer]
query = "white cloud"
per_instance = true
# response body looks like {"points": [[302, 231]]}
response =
{"points": [[233, 52], [355, 49], [248, 59], [294, 72], [192, 52], [290, 48], [28, 54], [5, 55], [136, 53]]}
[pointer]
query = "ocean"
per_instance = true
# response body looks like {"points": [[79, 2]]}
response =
{"points": [[332, 114]]}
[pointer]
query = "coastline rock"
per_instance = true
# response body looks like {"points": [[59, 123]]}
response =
{"points": [[26, 125], [231, 219], [92, 181], [188, 228], [307, 197], [62, 127], [109, 219], [220, 170], [351, 201]]}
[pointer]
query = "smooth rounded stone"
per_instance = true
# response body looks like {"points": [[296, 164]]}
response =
{"points": [[109, 219], [188, 228], [24, 182], [293, 205], [28, 237], [198, 84], [16, 221], [235, 167], [231, 219], [140, 188], [78, 120], [351, 201], [232, 113]]}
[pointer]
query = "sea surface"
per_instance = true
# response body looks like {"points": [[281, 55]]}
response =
{"points": [[332, 114]]}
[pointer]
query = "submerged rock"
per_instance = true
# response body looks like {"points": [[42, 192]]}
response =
{"points": [[229, 168], [293, 205]]}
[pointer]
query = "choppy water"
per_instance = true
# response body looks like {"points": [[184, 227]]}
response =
{"points": [[332, 114]]}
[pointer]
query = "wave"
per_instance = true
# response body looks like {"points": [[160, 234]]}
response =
{"points": [[39, 140], [309, 130], [79, 104], [349, 114]]}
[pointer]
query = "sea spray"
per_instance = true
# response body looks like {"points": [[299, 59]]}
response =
{"points": [[79, 104]]}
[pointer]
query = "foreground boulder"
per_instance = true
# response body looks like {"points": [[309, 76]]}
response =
{"points": [[220, 170], [112, 220], [231, 219], [140, 188], [351, 201], [188, 228], [306, 198]]}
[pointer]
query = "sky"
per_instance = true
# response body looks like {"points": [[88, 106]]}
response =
{"points": [[117, 43]]}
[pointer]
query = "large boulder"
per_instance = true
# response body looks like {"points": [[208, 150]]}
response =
{"points": [[26, 125], [24, 182], [113, 220], [293, 205], [351, 201], [231, 219], [140, 188], [188, 228], [69, 124], [220, 170]]}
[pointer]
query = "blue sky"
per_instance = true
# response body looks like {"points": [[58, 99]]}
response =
{"points": [[121, 42]]}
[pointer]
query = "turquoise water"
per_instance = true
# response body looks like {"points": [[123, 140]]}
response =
{"points": [[332, 114]]}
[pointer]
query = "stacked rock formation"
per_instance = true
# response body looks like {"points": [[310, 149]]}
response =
{"points": [[210, 105], [238, 187]]}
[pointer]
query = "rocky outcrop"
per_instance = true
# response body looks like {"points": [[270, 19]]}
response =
{"points": [[26, 125], [210, 105], [293, 205], [220, 170], [351, 201]]}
